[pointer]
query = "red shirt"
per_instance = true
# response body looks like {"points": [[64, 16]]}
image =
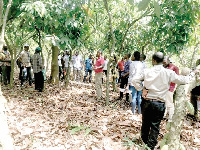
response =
{"points": [[121, 65], [175, 69], [99, 62]]}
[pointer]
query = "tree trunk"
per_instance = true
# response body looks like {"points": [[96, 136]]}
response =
{"points": [[107, 82], [110, 49], [194, 54], [172, 138], [54, 65], [4, 22], [48, 58]]}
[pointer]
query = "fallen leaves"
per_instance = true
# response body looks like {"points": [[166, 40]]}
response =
{"points": [[72, 119]]}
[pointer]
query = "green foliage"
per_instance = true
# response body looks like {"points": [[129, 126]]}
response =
{"points": [[77, 129], [171, 31]]}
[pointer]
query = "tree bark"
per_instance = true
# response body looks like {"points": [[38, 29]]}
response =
{"points": [[172, 138], [54, 65], [4, 23], [110, 50], [193, 55]]}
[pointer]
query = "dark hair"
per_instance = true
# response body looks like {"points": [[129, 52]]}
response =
{"points": [[100, 52], [136, 54], [158, 57], [143, 56], [128, 55]]}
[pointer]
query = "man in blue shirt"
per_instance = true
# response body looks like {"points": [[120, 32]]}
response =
{"points": [[88, 68]]}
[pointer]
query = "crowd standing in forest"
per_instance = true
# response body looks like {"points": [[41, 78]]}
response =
{"points": [[150, 89]]}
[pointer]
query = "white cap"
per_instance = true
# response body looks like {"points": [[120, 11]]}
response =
{"points": [[26, 45]]}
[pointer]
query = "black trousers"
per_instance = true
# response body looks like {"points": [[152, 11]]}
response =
{"points": [[152, 114], [6, 70], [120, 77], [124, 82], [39, 81], [194, 94]]}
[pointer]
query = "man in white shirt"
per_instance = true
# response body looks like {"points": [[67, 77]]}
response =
{"points": [[25, 67], [68, 65], [77, 66], [156, 85]]}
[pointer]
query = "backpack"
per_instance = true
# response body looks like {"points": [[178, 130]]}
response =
{"points": [[18, 62]]}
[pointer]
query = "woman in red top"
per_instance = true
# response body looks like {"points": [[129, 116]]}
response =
{"points": [[120, 68]]}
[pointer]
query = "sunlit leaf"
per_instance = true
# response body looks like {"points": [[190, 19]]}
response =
{"points": [[143, 5], [157, 8]]}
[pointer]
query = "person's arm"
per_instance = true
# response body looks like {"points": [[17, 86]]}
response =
{"points": [[179, 79], [126, 74], [137, 81]]}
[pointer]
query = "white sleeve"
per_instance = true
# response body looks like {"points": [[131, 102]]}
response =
{"points": [[180, 79], [137, 81]]}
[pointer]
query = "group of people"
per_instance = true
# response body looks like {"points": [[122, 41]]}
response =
{"points": [[151, 89], [25, 63]]}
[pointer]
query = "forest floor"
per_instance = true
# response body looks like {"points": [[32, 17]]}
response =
{"points": [[72, 118]]}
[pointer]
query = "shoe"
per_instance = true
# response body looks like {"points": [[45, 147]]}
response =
{"points": [[119, 98]]}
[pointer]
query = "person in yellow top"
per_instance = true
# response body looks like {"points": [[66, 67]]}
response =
{"points": [[6, 65]]}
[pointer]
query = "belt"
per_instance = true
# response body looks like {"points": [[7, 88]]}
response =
{"points": [[155, 100]]}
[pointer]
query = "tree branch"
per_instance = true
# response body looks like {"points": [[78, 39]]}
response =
{"points": [[110, 23], [129, 26]]}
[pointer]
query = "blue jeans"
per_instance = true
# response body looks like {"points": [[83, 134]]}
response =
{"points": [[136, 99]]}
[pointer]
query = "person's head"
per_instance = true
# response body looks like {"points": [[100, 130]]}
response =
{"points": [[76, 53], [99, 53], [67, 52], [136, 56], [90, 56], [166, 61], [105, 57], [26, 47], [38, 50], [157, 58], [127, 56], [5, 47], [142, 57]]}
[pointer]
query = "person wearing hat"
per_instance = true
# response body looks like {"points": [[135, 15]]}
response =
{"points": [[25, 67], [37, 70]]}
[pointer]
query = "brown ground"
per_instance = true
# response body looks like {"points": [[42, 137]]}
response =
{"points": [[60, 119]]}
